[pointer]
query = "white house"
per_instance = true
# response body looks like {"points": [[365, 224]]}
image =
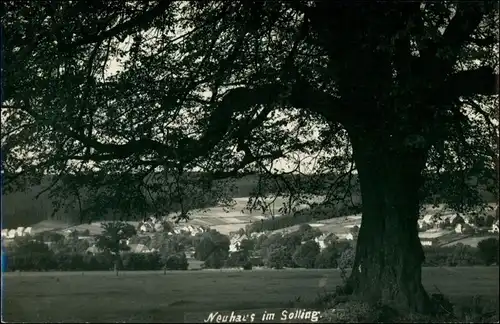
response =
{"points": [[494, 228], [11, 233], [93, 250], [235, 242], [19, 231], [349, 237], [464, 229], [27, 231], [5, 232], [139, 248], [426, 243], [430, 219], [321, 242]]}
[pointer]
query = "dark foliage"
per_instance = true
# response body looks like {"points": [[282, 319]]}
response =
{"points": [[488, 250], [306, 254], [327, 258]]}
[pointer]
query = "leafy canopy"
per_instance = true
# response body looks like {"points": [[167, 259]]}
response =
{"points": [[140, 106]]}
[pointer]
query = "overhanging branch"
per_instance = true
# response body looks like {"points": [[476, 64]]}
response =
{"points": [[239, 99], [141, 21], [481, 81]]}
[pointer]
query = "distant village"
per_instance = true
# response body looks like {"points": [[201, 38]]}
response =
{"points": [[431, 227]]}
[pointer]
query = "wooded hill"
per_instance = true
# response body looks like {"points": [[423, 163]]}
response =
{"points": [[22, 209]]}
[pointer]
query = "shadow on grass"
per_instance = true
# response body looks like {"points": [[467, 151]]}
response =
{"points": [[339, 308]]}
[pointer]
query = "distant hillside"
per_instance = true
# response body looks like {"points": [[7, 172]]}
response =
{"points": [[22, 209]]}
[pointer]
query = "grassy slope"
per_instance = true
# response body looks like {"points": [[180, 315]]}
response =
{"points": [[153, 297]]}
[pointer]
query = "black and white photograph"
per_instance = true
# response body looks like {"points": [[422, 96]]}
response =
{"points": [[250, 161]]}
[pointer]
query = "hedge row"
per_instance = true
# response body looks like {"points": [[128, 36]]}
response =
{"points": [[99, 262], [486, 253], [288, 252], [279, 256]]}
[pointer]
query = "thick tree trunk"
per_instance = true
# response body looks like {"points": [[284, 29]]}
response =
{"points": [[389, 255]]}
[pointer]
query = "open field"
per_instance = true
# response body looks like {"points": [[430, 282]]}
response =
{"points": [[154, 297]]}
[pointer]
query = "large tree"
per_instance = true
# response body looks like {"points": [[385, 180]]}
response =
{"points": [[397, 91]]}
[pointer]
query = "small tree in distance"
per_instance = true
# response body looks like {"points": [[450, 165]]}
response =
{"points": [[113, 239]]}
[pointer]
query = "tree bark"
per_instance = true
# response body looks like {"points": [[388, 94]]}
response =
{"points": [[389, 255]]}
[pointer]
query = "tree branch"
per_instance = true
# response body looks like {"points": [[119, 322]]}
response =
{"points": [[142, 21], [481, 81], [486, 41], [239, 99], [477, 108], [305, 96], [467, 18]]}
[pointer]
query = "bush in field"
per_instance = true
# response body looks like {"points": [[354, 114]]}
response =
{"points": [[247, 246], [248, 265], [436, 256], [177, 261], [237, 259], [141, 261], [105, 259], [463, 255], [292, 241], [328, 258], [210, 243], [265, 242], [215, 260], [97, 263], [455, 255], [69, 262], [306, 254], [488, 250], [27, 254], [257, 261], [288, 243], [278, 258], [35, 261], [213, 249]]}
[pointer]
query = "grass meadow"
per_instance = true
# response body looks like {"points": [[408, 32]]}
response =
{"points": [[156, 297]]}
